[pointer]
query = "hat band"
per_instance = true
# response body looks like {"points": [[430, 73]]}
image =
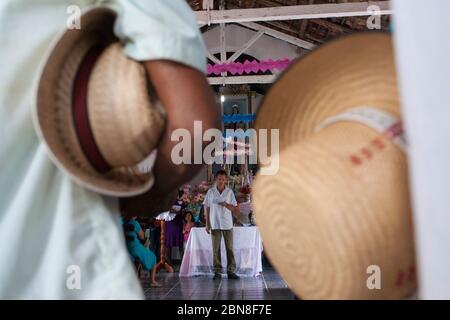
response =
{"points": [[81, 114], [383, 122]]}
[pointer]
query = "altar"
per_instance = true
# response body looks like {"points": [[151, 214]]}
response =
{"points": [[198, 255]]}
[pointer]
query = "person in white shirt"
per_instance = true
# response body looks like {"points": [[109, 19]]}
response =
{"points": [[60, 240], [220, 204]]}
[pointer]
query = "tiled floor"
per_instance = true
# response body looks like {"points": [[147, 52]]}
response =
{"points": [[268, 286]]}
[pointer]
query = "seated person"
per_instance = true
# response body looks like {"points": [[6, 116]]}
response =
{"points": [[133, 235]]}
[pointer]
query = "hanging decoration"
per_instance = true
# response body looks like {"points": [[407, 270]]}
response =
{"points": [[248, 67]]}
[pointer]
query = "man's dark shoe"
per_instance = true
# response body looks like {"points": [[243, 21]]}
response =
{"points": [[233, 276], [217, 276]]}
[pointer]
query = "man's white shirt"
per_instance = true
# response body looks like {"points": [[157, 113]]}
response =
{"points": [[58, 240], [220, 217]]}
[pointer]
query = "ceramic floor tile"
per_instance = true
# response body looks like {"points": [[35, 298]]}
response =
{"points": [[268, 286]]}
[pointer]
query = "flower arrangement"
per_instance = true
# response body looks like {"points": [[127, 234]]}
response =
{"points": [[193, 198]]}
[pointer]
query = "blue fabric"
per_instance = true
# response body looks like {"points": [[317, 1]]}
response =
{"points": [[236, 118], [146, 257]]}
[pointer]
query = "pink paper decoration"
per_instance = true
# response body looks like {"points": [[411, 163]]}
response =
{"points": [[248, 67]]}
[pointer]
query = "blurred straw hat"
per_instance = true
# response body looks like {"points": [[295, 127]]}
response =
{"points": [[94, 110], [339, 206]]}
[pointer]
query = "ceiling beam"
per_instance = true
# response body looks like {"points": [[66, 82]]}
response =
{"points": [[213, 58], [241, 80], [331, 25], [313, 11], [246, 46], [279, 35], [223, 50]]}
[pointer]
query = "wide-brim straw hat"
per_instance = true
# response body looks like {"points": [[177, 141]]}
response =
{"points": [[94, 108], [336, 218]]}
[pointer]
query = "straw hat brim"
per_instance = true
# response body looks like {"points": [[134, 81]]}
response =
{"points": [[324, 220], [53, 115]]}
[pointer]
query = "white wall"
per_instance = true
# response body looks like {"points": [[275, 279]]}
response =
{"points": [[423, 51]]}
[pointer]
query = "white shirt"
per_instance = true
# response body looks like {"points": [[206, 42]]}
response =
{"points": [[52, 231], [220, 217]]}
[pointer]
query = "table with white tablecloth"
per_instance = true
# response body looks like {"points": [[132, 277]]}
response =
{"points": [[247, 248]]}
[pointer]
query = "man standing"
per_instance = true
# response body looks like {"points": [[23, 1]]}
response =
{"points": [[220, 204]]}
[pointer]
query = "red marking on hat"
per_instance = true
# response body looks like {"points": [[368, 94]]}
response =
{"points": [[392, 132], [378, 143], [356, 160]]}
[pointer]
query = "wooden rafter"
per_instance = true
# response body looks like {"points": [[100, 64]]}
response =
{"points": [[314, 11]]}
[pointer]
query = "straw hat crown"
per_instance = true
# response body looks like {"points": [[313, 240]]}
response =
{"points": [[125, 122]]}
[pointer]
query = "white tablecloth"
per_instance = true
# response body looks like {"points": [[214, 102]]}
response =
{"points": [[245, 208], [198, 256]]}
